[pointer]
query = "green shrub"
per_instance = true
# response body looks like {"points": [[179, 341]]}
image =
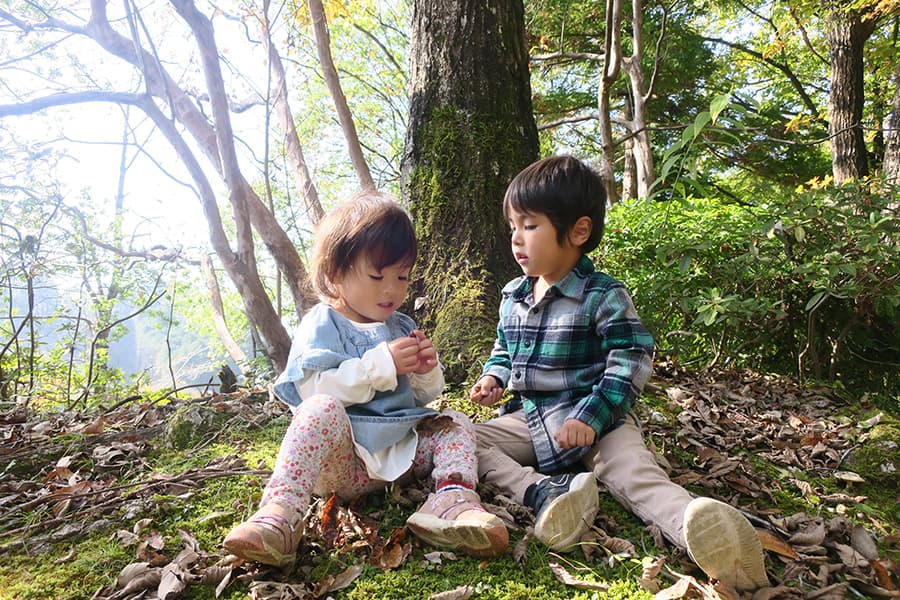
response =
{"points": [[802, 282]]}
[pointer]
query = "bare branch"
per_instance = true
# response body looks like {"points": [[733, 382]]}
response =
{"points": [[323, 48], [574, 55], [292, 144], [221, 325], [384, 49], [565, 120], [38, 104], [657, 51], [795, 81]]}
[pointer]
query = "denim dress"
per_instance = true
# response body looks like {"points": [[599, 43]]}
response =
{"points": [[325, 339]]}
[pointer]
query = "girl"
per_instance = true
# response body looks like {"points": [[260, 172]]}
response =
{"points": [[358, 378]]}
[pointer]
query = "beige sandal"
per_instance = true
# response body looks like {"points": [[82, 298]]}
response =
{"points": [[270, 536]]}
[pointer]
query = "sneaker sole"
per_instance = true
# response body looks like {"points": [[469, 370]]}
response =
{"points": [[473, 539], [567, 518], [724, 544]]}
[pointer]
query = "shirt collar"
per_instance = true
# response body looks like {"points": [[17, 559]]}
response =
{"points": [[572, 285]]}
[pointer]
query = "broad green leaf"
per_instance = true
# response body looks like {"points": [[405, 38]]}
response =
{"points": [[815, 300], [718, 104], [700, 122]]}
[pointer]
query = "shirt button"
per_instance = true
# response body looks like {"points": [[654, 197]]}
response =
{"points": [[518, 374], [528, 343]]}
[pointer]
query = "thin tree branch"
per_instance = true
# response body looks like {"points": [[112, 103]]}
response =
{"points": [[794, 80]]}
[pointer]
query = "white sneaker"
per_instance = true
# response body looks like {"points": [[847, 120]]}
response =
{"points": [[724, 544], [564, 507]]}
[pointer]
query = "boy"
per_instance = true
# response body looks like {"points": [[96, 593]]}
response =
{"points": [[575, 355]]}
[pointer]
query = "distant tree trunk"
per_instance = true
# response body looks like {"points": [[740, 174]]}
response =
{"points": [[614, 61], [892, 136], [471, 129], [637, 124], [323, 49], [629, 169], [292, 144], [234, 349], [847, 34]]}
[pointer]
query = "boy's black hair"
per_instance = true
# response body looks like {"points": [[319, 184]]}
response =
{"points": [[563, 188]]}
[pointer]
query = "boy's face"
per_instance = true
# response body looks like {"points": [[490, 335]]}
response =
{"points": [[536, 249], [369, 295]]}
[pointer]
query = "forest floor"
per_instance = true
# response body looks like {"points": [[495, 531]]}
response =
{"points": [[132, 501]]}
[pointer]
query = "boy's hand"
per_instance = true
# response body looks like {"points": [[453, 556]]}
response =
{"points": [[486, 391], [404, 351], [575, 433], [426, 356]]}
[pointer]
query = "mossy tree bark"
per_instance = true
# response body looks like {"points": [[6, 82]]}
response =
{"points": [[847, 33], [471, 129]]}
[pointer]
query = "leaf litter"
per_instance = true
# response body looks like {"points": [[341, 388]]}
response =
{"points": [[722, 418]]}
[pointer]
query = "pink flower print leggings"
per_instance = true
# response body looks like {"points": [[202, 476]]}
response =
{"points": [[317, 456]]}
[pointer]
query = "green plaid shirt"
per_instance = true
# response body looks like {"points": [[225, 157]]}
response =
{"points": [[580, 353]]}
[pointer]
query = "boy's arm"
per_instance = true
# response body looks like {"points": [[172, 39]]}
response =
{"points": [[355, 380], [628, 347]]}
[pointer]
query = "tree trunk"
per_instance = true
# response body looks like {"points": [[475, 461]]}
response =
{"points": [[471, 130], [348, 127], [847, 34], [234, 349], [612, 62], [637, 125], [629, 168], [291, 140], [892, 135]]}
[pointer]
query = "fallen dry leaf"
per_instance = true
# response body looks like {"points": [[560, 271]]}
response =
{"points": [[436, 424], [781, 592], [333, 583], [275, 590], [437, 557], [563, 576], [679, 589], [173, 581], [773, 543], [521, 548], [463, 592]]}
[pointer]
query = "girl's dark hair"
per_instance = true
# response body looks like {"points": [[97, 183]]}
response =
{"points": [[563, 188], [369, 224]]}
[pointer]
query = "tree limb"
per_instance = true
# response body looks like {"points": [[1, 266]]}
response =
{"points": [[794, 80]]}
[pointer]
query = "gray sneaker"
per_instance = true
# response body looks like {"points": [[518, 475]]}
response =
{"points": [[724, 544], [564, 507]]}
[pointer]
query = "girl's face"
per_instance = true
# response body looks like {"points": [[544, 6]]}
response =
{"points": [[367, 295]]}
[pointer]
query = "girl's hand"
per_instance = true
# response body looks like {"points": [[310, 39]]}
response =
{"points": [[427, 355], [486, 391], [404, 351], [575, 433]]}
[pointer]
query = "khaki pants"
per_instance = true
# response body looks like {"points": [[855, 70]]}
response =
{"points": [[620, 460]]}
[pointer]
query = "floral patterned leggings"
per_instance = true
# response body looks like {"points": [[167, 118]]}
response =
{"points": [[317, 456]]}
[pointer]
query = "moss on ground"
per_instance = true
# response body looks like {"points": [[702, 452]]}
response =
{"points": [[77, 568]]}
